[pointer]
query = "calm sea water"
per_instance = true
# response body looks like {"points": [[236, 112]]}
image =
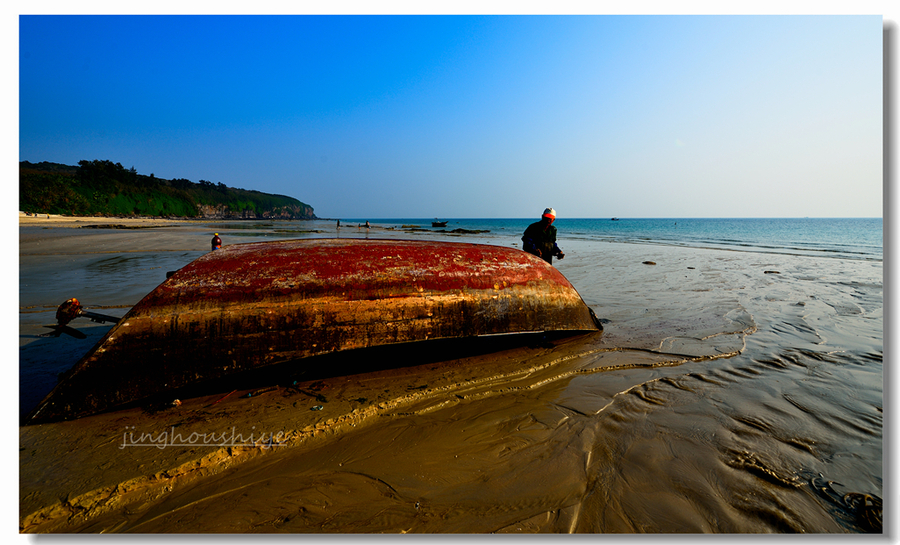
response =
{"points": [[849, 238]]}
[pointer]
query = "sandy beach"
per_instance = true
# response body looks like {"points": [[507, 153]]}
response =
{"points": [[679, 417], [56, 220]]}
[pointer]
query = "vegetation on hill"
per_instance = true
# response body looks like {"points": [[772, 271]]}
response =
{"points": [[104, 188]]}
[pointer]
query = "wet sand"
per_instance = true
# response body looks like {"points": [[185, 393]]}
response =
{"points": [[708, 404]]}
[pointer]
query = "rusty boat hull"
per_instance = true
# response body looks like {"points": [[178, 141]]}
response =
{"points": [[249, 306]]}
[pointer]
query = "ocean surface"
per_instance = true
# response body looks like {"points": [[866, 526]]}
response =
{"points": [[852, 238], [737, 387]]}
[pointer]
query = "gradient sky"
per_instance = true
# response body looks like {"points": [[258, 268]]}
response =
{"points": [[473, 116]]}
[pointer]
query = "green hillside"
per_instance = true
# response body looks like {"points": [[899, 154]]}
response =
{"points": [[104, 188]]}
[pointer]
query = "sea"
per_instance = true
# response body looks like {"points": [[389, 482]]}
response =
{"points": [[737, 388], [852, 238]]}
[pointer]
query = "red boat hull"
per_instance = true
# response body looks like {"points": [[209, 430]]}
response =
{"points": [[248, 306]]}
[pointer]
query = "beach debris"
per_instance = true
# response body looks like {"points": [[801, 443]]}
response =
{"points": [[221, 398], [117, 226], [261, 391], [691, 268], [68, 311], [317, 408], [319, 397], [771, 272], [176, 403], [866, 509], [469, 231], [649, 262]]}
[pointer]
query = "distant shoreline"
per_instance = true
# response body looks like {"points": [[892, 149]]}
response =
{"points": [[58, 220]]}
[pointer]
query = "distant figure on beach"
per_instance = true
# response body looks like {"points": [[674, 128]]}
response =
{"points": [[338, 224], [367, 224], [540, 238], [216, 241]]}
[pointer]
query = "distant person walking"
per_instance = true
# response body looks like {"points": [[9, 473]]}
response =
{"points": [[216, 241], [540, 238]]}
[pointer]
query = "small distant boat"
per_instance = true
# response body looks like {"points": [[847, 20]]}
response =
{"points": [[615, 219], [247, 306], [437, 223]]}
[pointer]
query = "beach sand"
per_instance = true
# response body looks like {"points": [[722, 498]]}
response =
{"points": [[674, 419]]}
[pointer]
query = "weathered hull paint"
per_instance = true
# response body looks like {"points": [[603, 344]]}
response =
{"points": [[248, 306]]}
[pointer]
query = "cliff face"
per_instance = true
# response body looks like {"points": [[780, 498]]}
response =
{"points": [[221, 211]]}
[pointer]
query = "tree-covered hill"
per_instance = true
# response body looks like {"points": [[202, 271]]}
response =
{"points": [[104, 188]]}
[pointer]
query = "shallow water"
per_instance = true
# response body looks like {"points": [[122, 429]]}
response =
{"points": [[852, 238], [730, 392]]}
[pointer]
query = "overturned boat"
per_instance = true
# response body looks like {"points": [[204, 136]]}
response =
{"points": [[248, 306]]}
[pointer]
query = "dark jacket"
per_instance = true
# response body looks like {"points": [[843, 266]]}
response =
{"points": [[536, 237]]}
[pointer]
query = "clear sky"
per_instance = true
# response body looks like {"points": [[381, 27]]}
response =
{"points": [[473, 116]]}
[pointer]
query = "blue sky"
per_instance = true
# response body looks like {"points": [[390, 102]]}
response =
{"points": [[473, 116]]}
